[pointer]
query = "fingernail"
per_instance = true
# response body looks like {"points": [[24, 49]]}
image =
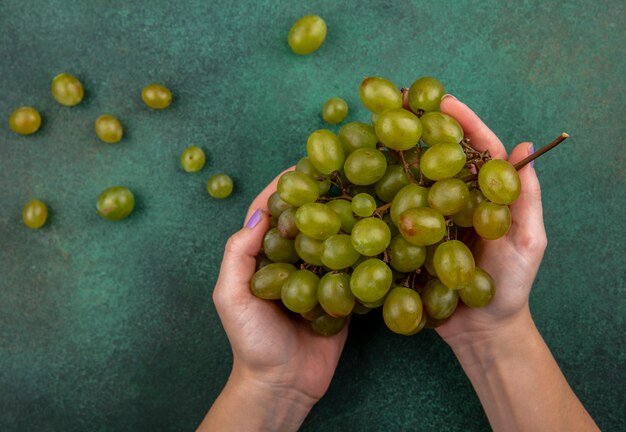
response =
{"points": [[531, 150], [448, 95], [255, 219]]}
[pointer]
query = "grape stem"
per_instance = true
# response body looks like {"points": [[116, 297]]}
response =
{"points": [[380, 211], [531, 157], [407, 169]]}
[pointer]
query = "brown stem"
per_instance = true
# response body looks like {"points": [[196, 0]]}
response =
{"points": [[407, 169], [530, 158], [380, 211]]}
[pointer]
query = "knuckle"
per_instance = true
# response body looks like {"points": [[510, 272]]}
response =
{"points": [[533, 242]]}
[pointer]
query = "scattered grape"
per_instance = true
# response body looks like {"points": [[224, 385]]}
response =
{"points": [[67, 89], [192, 160], [307, 34], [335, 110], [35, 214], [220, 186], [25, 120], [156, 96], [115, 203], [109, 129]]}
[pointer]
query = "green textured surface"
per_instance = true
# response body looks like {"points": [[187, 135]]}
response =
{"points": [[110, 326]]}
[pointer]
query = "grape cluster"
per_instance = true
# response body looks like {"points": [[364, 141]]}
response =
{"points": [[376, 217]]}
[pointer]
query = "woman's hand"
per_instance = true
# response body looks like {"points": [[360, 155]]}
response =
{"points": [[281, 368], [512, 260]]}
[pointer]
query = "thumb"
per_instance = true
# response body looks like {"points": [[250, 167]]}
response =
{"points": [[239, 263], [527, 212]]}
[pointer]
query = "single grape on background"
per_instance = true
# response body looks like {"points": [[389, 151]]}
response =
{"points": [[67, 89], [115, 203], [156, 96], [192, 159], [35, 214], [334, 110], [25, 120], [109, 129], [307, 34], [220, 186]]}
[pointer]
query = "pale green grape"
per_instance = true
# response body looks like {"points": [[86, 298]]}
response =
{"points": [[398, 129], [334, 294], [267, 283], [370, 236], [379, 94], [317, 221], [371, 280]]}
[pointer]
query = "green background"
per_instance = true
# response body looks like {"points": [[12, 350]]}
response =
{"points": [[110, 326]]}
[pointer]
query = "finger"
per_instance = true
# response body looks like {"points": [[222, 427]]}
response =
{"points": [[480, 136], [526, 213], [260, 202], [239, 263]]}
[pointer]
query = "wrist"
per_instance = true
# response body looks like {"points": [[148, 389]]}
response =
{"points": [[495, 341], [277, 405]]}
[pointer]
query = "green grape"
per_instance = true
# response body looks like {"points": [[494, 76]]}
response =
{"points": [[402, 310], [404, 256], [305, 166], [355, 135], [296, 188], [35, 214], [333, 293], [220, 186], [422, 226], [379, 94], [412, 159], [343, 209], [410, 196], [442, 161], [371, 280], [25, 120], [335, 110], [449, 196], [115, 203], [276, 205], [279, 249], [67, 89], [267, 283], [273, 222], [287, 224], [261, 261], [499, 181], [440, 128], [317, 221], [325, 151], [373, 119], [192, 160], [370, 236], [363, 205], [156, 96], [430, 254], [398, 129], [365, 166], [378, 303], [307, 34], [391, 182], [421, 324], [480, 291], [299, 292], [491, 221], [360, 309], [454, 264], [309, 249], [354, 190], [338, 252], [425, 94], [326, 325], [314, 313], [439, 301], [465, 218], [109, 129]]}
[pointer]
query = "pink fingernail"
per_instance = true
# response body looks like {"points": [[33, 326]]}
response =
{"points": [[531, 150], [255, 219], [448, 95]]}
